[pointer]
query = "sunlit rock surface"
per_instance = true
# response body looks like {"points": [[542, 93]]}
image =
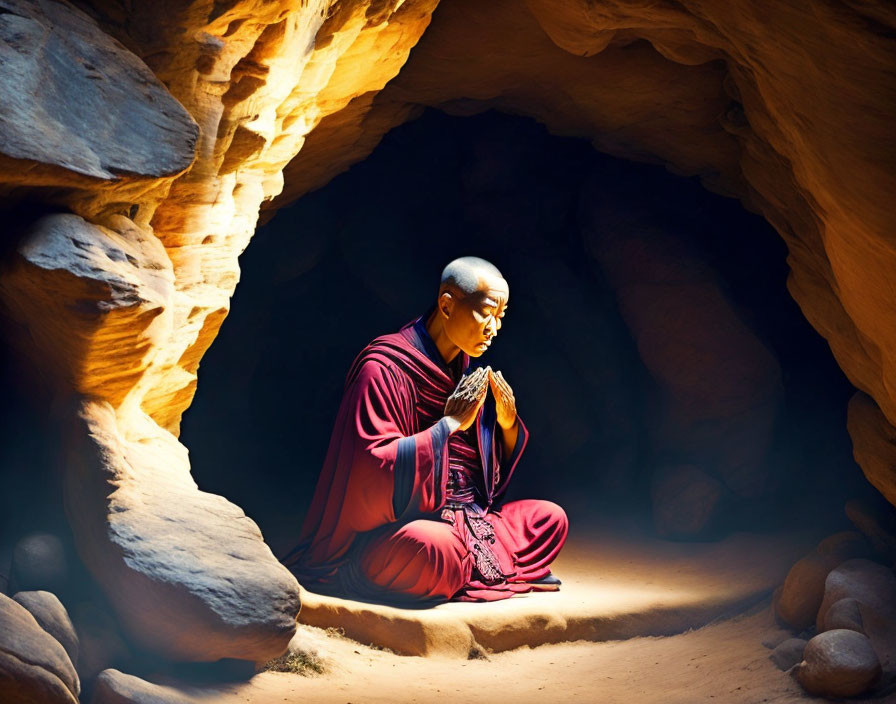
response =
{"points": [[193, 578], [188, 573], [76, 106], [118, 300], [34, 667]]}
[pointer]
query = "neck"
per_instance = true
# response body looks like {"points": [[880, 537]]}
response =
{"points": [[447, 349]]}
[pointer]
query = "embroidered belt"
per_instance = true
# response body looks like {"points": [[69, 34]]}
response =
{"points": [[480, 536]]}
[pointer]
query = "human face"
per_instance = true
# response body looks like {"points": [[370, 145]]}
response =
{"points": [[474, 320]]}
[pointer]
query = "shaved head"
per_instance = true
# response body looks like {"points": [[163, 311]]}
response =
{"points": [[472, 302], [465, 274]]}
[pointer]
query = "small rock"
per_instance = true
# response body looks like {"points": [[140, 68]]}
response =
{"points": [[803, 591], [38, 562], [788, 653], [838, 663], [115, 687], [868, 582], [34, 667], [844, 614], [49, 612], [873, 586]]}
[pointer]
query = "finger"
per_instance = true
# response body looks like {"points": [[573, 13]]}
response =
{"points": [[504, 383]]}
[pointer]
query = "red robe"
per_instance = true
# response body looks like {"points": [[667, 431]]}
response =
{"points": [[379, 528]]}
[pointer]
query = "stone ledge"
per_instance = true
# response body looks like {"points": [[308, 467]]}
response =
{"points": [[614, 588]]}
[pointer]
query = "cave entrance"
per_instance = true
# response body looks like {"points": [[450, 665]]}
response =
{"points": [[660, 364]]}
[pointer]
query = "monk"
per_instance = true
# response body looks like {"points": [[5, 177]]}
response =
{"points": [[409, 506]]}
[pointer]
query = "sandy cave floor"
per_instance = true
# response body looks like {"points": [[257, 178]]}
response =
{"points": [[646, 584]]}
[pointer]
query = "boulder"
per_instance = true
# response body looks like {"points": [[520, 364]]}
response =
{"points": [[187, 573], [115, 687], [788, 653], [685, 500], [49, 612], [75, 103], [803, 591], [838, 663], [873, 587], [844, 614], [867, 582], [34, 667]]}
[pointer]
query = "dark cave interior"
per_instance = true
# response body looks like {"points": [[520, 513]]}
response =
{"points": [[362, 256]]}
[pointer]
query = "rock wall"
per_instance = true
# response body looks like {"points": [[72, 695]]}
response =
{"points": [[156, 148]]}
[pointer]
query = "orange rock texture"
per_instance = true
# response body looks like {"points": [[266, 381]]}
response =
{"points": [[787, 106], [118, 299]]}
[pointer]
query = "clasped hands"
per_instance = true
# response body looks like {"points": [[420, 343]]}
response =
{"points": [[466, 400]]}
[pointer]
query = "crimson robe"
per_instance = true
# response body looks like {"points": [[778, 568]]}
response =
{"points": [[378, 527]]}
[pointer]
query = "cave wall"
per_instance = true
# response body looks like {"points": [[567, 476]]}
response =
{"points": [[158, 129], [138, 141]]}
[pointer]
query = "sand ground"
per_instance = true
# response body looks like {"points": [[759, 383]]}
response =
{"points": [[613, 575]]}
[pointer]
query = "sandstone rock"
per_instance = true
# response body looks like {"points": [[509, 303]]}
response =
{"points": [[803, 591], [839, 663], [38, 562], [685, 500], [74, 102], [788, 653], [873, 586], [844, 615], [34, 667], [187, 572], [868, 582], [804, 588], [51, 615], [95, 300], [115, 687]]}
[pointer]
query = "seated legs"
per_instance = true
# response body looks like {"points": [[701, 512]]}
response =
{"points": [[423, 559]]}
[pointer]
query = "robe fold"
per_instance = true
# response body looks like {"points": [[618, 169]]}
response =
{"points": [[385, 525]]}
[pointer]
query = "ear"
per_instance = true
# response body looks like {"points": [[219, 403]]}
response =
{"points": [[446, 303]]}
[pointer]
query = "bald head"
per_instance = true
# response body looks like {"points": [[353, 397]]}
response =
{"points": [[466, 275], [472, 301]]}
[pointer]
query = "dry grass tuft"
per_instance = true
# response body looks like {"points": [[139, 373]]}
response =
{"points": [[299, 662]]}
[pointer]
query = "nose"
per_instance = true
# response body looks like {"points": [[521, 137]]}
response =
{"points": [[492, 327]]}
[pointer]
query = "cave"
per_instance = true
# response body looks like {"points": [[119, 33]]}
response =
{"points": [[210, 208], [318, 280]]}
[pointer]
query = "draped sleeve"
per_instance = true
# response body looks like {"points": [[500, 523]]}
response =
{"points": [[379, 467], [397, 469]]}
